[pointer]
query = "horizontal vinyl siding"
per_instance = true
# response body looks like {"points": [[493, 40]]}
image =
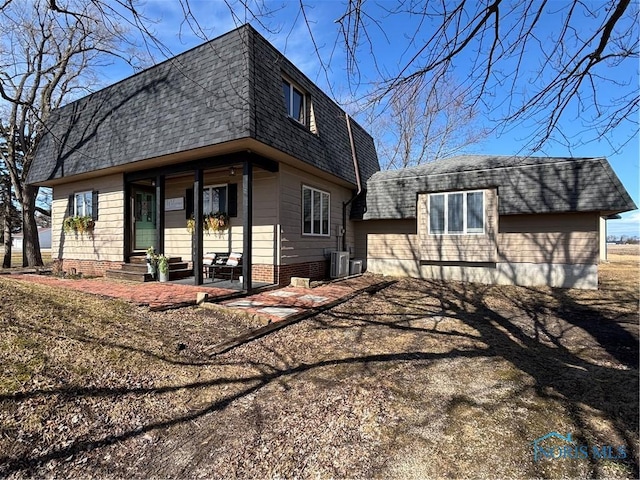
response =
{"points": [[399, 246], [107, 240], [298, 248], [560, 238], [178, 240], [459, 248], [544, 223], [387, 239]]}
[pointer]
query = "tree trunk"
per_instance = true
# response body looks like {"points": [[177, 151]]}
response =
{"points": [[31, 256], [7, 239]]}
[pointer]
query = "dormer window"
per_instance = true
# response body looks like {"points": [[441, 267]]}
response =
{"points": [[294, 100]]}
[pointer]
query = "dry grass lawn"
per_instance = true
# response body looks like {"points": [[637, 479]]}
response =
{"points": [[421, 379]]}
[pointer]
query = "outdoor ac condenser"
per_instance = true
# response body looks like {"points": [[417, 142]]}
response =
{"points": [[339, 264]]}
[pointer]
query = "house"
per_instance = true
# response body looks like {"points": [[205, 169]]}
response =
{"points": [[491, 219], [44, 236], [232, 131], [230, 127]]}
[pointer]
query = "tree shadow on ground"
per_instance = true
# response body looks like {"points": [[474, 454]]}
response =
{"points": [[534, 336]]}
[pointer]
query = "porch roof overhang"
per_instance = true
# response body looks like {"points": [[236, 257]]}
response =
{"points": [[204, 164], [186, 160], [220, 155]]}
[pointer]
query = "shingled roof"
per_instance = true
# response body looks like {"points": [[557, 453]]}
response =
{"points": [[227, 89], [525, 185]]}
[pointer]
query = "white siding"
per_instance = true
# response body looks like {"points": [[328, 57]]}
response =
{"points": [[106, 242], [178, 240]]}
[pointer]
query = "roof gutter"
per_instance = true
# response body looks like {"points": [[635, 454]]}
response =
{"points": [[356, 168]]}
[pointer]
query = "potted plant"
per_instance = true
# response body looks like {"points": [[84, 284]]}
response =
{"points": [[163, 268], [78, 224], [152, 261], [219, 221]]}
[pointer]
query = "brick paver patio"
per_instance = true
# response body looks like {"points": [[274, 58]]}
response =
{"points": [[277, 305], [273, 305], [153, 294]]}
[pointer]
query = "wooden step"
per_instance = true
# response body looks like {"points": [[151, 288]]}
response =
{"points": [[178, 266], [182, 273], [142, 259], [135, 267], [131, 276], [142, 267]]}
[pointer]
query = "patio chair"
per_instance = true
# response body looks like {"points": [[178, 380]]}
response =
{"points": [[224, 265]]}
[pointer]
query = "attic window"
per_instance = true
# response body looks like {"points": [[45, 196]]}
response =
{"points": [[294, 100]]}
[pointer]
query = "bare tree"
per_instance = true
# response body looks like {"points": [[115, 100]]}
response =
{"points": [[548, 60], [423, 124], [48, 53], [10, 219]]}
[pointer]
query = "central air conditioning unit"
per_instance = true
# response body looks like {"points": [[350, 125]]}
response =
{"points": [[339, 264]]}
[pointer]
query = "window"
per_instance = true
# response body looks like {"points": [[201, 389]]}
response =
{"points": [[456, 213], [294, 101], [214, 199], [315, 207], [83, 204]]}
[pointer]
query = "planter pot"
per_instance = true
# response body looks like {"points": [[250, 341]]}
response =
{"points": [[151, 268], [163, 277]]}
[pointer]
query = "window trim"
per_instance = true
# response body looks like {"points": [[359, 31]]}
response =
{"points": [[322, 192], [84, 194], [294, 87], [210, 187], [464, 213]]}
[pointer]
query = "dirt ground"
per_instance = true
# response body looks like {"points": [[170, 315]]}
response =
{"points": [[420, 379]]}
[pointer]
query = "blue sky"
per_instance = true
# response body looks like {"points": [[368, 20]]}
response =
{"points": [[392, 48]]}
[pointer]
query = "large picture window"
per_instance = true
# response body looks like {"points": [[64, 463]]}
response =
{"points": [[315, 206], [294, 101], [456, 213], [83, 204], [214, 199]]}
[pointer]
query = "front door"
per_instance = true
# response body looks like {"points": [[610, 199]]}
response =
{"points": [[145, 234]]}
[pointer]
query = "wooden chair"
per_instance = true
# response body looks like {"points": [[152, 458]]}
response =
{"points": [[223, 265]]}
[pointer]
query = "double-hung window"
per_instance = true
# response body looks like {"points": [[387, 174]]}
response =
{"points": [[83, 204], [315, 216], [214, 199], [294, 100], [456, 213]]}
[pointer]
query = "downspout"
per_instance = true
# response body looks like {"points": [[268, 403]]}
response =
{"points": [[356, 168]]}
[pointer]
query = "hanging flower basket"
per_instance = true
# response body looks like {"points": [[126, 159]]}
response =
{"points": [[219, 221], [213, 222], [78, 224], [191, 225]]}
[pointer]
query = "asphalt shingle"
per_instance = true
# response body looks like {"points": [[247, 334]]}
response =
{"points": [[227, 89], [525, 185]]}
